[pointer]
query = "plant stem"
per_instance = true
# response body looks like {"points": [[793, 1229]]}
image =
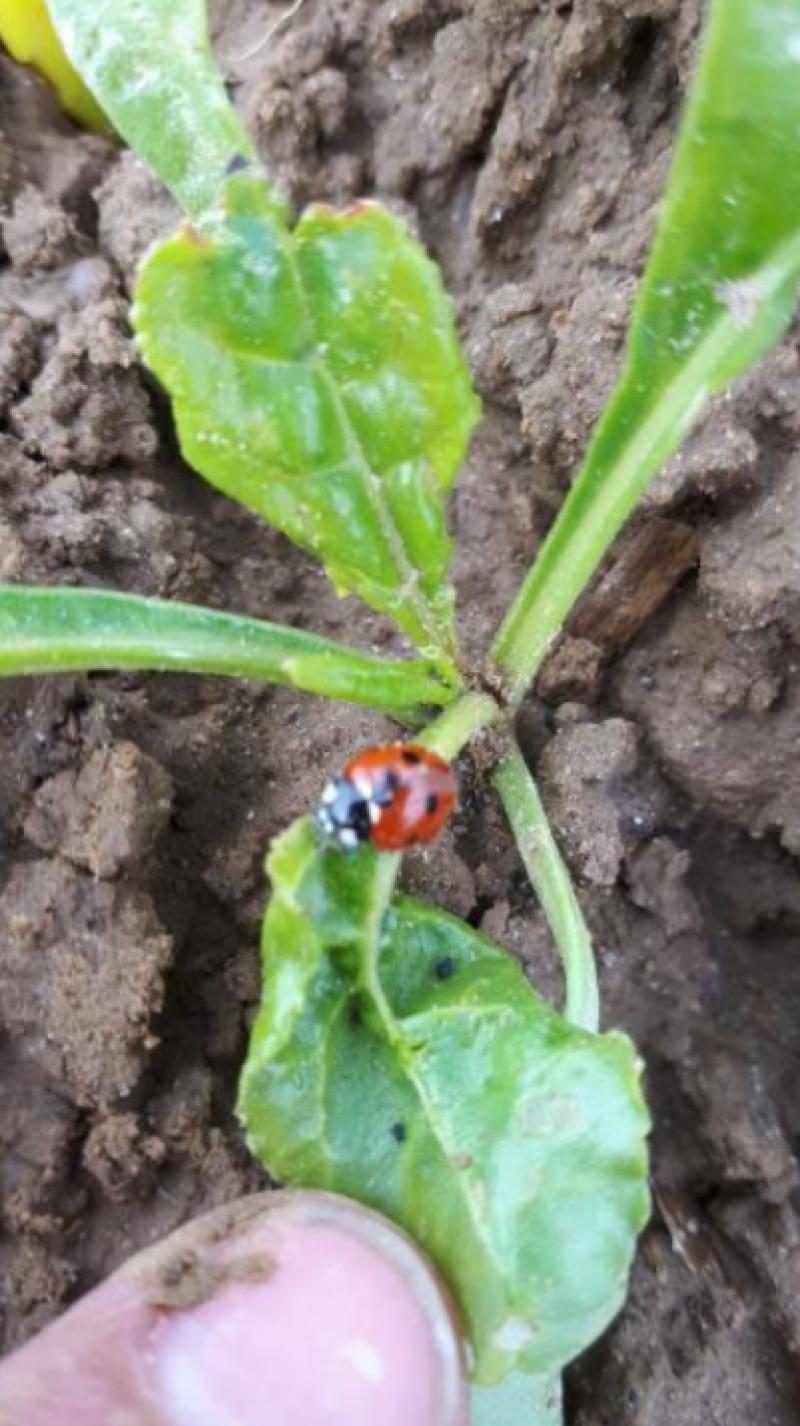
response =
{"points": [[590, 518], [459, 723], [447, 735], [387, 869], [617, 468], [553, 887]]}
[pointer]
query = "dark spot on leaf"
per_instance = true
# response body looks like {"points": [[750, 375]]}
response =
{"points": [[444, 968], [398, 1131], [431, 803], [355, 1018], [409, 756]]}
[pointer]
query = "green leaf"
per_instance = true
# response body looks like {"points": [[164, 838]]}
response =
{"points": [[149, 64], [518, 1400], [401, 1058], [719, 290], [55, 630], [317, 378]]}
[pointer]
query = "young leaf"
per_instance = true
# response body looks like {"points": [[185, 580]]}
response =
{"points": [[317, 378], [149, 64], [719, 290], [55, 630], [507, 1142], [27, 32]]}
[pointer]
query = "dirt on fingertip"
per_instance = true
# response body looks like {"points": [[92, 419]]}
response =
{"points": [[527, 144]]}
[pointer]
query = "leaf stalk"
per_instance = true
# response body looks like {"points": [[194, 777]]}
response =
{"points": [[551, 881], [463, 720]]}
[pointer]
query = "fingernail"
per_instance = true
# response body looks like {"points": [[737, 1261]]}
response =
{"points": [[343, 1330]]}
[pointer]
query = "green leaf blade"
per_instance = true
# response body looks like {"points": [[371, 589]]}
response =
{"points": [[377, 308], [507, 1142], [719, 289], [317, 378], [525, 1097], [60, 630], [149, 64]]}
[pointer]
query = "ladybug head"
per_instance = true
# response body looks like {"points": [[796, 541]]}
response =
{"points": [[343, 814]]}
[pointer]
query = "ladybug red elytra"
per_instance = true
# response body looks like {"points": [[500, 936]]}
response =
{"points": [[393, 796]]}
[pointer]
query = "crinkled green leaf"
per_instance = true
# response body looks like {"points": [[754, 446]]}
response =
{"points": [[54, 630], [719, 289], [317, 378], [420, 1073], [149, 64]]}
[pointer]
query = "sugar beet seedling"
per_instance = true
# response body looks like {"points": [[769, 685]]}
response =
{"points": [[316, 377]]}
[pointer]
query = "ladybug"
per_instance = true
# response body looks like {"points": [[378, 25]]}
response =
{"points": [[393, 796]]}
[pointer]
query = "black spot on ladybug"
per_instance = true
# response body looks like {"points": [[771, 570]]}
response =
{"points": [[384, 793], [398, 1132], [431, 803], [444, 968], [409, 756]]}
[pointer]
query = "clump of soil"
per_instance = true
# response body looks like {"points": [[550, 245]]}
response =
{"points": [[527, 144]]}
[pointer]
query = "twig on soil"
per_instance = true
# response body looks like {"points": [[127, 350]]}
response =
{"points": [[269, 34]]}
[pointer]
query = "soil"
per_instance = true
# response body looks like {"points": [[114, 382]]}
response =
{"points": [[527, 143]]}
